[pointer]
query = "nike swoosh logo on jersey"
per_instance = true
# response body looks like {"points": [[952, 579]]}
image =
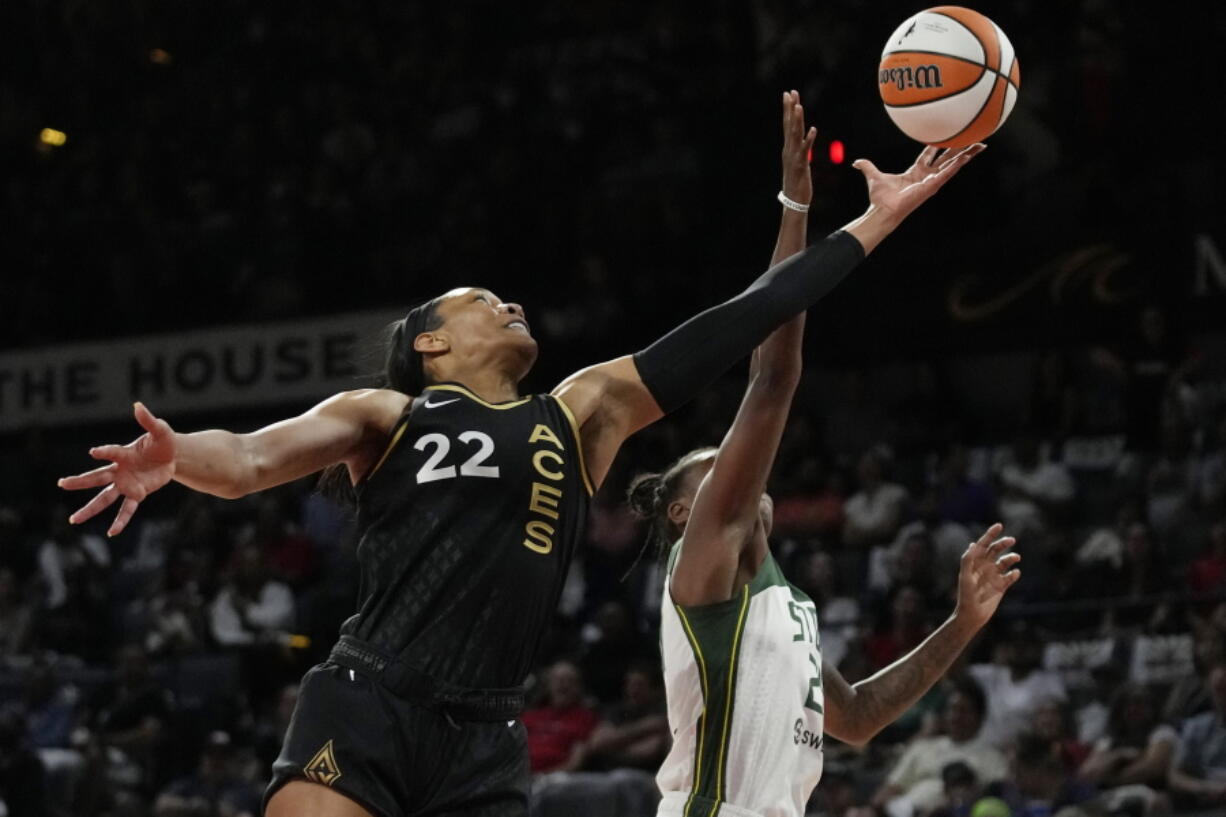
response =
{"points": [[428, 404]]}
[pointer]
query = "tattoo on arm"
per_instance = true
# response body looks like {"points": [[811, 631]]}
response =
{"points": [[863, 710]]}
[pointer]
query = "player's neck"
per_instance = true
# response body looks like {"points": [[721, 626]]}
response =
{"points": [[490, 386]]}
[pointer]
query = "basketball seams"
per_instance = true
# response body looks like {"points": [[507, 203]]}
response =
{"points": [[975, 118], [991, 51]]}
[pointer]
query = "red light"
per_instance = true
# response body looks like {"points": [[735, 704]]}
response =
{"points": [[809, 156], [836, 152]]}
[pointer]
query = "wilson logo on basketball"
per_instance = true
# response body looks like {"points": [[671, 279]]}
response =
{"points": [[920, 76]]}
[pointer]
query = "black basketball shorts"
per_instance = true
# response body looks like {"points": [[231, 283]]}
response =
{"points": [[399, 759]]}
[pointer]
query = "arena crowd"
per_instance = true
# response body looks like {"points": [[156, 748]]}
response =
{"points": [[154, 673]]}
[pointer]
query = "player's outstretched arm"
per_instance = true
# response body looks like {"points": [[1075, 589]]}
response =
{"points": [[855, 713], [613, 400], [340, 429], [726, 507]]}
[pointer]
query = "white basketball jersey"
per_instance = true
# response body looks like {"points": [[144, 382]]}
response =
{"points": [[745, 701]]}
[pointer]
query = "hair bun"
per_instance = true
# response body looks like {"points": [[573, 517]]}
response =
{"points": [[643, 495]]}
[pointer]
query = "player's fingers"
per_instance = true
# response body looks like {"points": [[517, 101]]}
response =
{"points": [[1000, 545], [866, 167], [946, 173], [1007, 561], [126, 510], [90, 479], [114, 453], [926, 156], [810, 138], [103, 500], [969, 151], [989, 536], [145, 417]]}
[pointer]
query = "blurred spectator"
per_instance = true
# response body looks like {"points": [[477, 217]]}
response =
{"points": [[875, 510], [959, 498], [1053, 722], [903, 628], [73, 567], [1033, 490], [838, 614], [949, 538], [1094, 715], [130, 727], [251, 608], [634, 732], [812, 507], [22, 788], [1141, 576], [1190, 694], [1211, 476], [176, 613], [558, 728], [961, 791], [615, 643], [1015, 684], [1197, 774], [1208, 573], [1039, 785], [15, 617], [915, 784], [1170, 484], [213, 789], [1137, 749], [911, 560], [52, 717], [288, 552], [1149, 363], [1105, 545], [270, 729]]}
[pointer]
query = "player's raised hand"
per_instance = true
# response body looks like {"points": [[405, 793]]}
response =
{"points": [[987, 572], [135, 470], [797, 144], [900, 193]]}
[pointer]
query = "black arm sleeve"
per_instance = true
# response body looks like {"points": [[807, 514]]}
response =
{"points": [[680, 364]]}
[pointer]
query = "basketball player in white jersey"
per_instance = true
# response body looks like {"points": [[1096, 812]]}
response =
{"points": [[749, 697]]}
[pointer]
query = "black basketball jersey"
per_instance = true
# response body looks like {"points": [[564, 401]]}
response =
{"points": [[467, 527]]}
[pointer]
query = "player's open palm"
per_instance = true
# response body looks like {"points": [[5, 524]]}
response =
{"points": [[797, 144], [135, 470], [987, 571], [900, 193]]}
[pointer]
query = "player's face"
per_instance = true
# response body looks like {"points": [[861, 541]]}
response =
{"points": [[477, 320]]}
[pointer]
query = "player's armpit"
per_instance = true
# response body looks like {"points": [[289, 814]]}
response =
{"points": [[609, 403]]}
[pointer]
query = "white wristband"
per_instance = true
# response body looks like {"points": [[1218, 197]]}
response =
{"points": [[792, 205]]}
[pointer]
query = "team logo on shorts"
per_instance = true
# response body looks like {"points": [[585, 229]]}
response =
{"points": [[323, 768]]}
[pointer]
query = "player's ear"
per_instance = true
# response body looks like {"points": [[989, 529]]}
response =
{"points": [[431, 342], [679, 512]]}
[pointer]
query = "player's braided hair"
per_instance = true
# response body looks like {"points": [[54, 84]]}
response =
{"points": [[649, 496]]}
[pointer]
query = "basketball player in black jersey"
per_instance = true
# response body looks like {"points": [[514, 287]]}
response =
{"points": [[470, 501]]}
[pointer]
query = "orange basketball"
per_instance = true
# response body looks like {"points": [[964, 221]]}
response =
{"points": [[948, 76]]}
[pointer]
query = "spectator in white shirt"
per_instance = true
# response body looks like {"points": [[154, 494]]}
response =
{"points": [[914, 786], [1015, 685], [251, 608], [873, 513], [1032, 489]]}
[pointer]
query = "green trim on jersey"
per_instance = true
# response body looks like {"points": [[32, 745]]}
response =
{"points": [[714, 633]]}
